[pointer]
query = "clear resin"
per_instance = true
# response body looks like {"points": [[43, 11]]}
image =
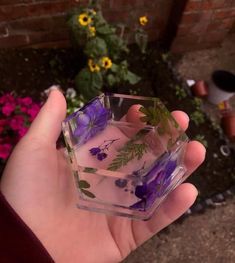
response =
{"points": [[126, 153]]}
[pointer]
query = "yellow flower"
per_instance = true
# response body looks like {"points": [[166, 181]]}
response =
{"points": [[92, 31], [143, 20], [106, 62], [93, 12], [92, 66], [84, 19]]}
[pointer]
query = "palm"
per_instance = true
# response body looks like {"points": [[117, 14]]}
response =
{"points": [[38, 184]]}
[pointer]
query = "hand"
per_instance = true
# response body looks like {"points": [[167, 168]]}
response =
{"points": [[37, 183]]}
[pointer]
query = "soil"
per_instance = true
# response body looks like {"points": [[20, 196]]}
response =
{"points": [[207, 238], [29, 72]]}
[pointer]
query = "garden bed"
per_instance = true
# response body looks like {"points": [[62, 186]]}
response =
{"points": [[29, 72]]}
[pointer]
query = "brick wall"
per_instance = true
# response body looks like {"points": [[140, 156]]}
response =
{"points": [[204, 24], [35, 23], [183, 24]]}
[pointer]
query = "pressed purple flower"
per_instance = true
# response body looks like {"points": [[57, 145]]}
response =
{"points": [[101, 156], [90, 120], [95, 150], [121, 183], [149, 191]]}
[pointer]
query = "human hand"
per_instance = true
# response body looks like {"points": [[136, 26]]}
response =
{"points": [[37, 183]]}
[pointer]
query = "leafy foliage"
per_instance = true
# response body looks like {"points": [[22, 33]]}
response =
{"points": [[100, 41], [198, 117], [180, 92]]}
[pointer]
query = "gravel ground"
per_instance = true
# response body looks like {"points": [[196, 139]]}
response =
{"points": [[200, 64], [208, 237]]}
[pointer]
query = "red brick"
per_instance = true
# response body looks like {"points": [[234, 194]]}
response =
{"points": [[49, 36], [11, 12], [46, 23], [200, 27], [10, 2], [190, 18], [13, 41], [126, 4], [214, 4], [224, 13], [51, 44], [193, 6], [183, 30], [3, 30], [214, 37]]}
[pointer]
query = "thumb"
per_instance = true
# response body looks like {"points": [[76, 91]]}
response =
{"points": [[46, 127]]}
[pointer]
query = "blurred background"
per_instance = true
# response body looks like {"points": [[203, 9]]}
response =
{"points": [[182, 51]]}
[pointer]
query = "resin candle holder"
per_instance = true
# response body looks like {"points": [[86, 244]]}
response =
{"points": [[126, 153]]}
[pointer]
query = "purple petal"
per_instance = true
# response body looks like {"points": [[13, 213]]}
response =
{"points": [[82, 124], [101, 156], [141, 205], [170, 167], [141, 191], [94, 150], [83, 120]]}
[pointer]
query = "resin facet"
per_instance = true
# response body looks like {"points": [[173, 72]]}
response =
{"points": [[126, 153]]}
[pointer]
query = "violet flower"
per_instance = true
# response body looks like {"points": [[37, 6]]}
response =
{"points": [[95, 150], [90, 120], [101, 156], [149, 191]]}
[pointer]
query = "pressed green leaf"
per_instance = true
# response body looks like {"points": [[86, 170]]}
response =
{"points": [[144, 119], [88, 193], [129, 151], [89, 170], [83, 184], [143, 110]]}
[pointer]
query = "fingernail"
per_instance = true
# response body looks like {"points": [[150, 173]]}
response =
{"points": [[53, 87]]}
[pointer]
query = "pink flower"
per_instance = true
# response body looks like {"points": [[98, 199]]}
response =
{"points": [[8, 108], [25, 101], [22, 131], [23, 109], [33, 111], [5, 150], [17, 122], [3, 123], [7, 98]]}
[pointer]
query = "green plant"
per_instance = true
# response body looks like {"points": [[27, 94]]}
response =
{"points": [[180, 92], [74, 101], [197, 117], [201, 139], [104, 48], [197, 102]]}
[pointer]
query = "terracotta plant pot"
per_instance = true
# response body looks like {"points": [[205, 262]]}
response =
{"points": [[200, 89], [221, 86], [228, 125]]}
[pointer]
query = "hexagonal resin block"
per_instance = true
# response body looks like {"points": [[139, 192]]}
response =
{"points": [[126, 153]]}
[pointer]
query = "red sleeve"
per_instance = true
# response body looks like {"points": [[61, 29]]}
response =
{"points": [[17, 241]]}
